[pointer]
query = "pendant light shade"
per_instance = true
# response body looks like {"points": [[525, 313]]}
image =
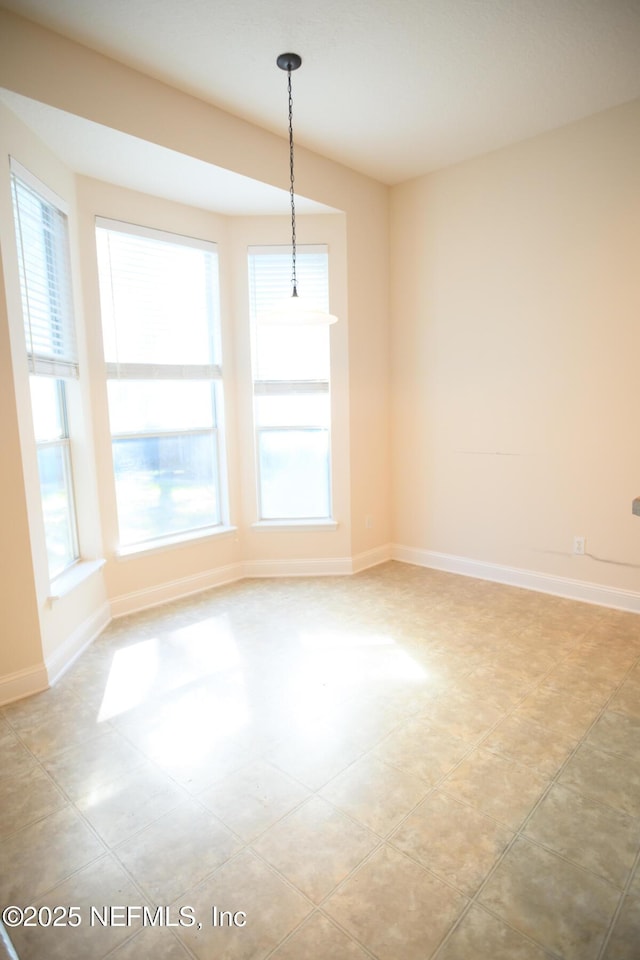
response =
{"points": [[295, 309], [298, 310]]}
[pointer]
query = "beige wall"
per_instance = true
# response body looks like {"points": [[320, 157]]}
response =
{"points": [[20, 646], [515, 351]]}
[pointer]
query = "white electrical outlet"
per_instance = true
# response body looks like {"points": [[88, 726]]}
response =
{"points": [[578, 546], [368, 522]]}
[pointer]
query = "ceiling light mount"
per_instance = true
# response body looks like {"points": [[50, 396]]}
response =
{"points": [[289, 61]]}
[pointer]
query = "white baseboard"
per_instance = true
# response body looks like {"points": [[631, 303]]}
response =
{"points": [[163, 593], [371, 558], [329, 567], [84, 635], [23, 683], [527, 579], [175, 589]]}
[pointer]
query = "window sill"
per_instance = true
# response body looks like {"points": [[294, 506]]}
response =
{"points": [[66, 582], [304, 526], [179, 540]]}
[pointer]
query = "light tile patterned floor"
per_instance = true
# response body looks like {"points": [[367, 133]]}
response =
{"points": [[401, 765]]}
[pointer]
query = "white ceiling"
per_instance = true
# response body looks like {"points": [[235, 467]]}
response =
{"points": [[393, 88]]}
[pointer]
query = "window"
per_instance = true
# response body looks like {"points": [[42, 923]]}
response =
{"points": [[45, 283], [291, 388], [160, 319]]}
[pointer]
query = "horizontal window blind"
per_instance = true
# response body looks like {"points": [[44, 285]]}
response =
{"points": [[270, 276], [277, 388], [289, 352], [45, 282], [164, 371], [159, 302]]}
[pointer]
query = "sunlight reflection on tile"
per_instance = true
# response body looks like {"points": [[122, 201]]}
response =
{"points": [[323, 639], [131, 677], [150, 667], [207, 646], [354, 658], [198, 720]]}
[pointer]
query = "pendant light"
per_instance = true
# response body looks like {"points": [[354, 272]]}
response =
{"points": [[295, 309]]}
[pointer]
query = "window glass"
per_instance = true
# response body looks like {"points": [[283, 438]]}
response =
{"points": [[291, 353], [294, 410], [165, 485], [294, 473], [47, 405], [160, 406], [57, 503], [158, 300]]}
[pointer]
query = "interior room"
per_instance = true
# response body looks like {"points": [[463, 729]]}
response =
{"points": [[319, 640]]}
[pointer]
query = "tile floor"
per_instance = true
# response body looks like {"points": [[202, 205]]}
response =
{"points": [[401, 765]]}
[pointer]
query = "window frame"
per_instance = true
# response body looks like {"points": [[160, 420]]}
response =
{"points": [[118, 370], [288, 387], [58, 365], [64, 443]]}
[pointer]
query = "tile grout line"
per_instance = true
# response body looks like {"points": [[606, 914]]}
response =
{"points": [[438, 784], [109, 850], [335, 923], [482, 740], [618, 910], [636, 864], [125, 943], [519, 833]]}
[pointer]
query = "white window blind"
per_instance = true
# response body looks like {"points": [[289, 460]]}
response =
{"points": [[159, 302], [288, 352], [270, 276], [43, 258]]}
